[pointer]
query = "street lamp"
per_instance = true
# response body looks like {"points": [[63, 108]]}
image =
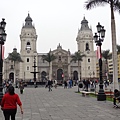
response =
{"points": [[2, 40], [98, 40]]}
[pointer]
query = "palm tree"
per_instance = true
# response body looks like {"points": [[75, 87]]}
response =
{"points": [[14, 57], [78, 56], [49, 58], [114, 6], [106, 55]]}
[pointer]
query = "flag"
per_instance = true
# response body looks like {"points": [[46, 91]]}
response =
{"points": [[106, 73], [0, 50], [98, 53]]}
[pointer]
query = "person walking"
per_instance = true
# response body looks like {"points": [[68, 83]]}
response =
{"points": [[9, 104], [55, 82], [21, 86], [50, 85], [65, 84], [7, 87]]}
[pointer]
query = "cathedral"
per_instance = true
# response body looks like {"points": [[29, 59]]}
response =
{"points": [[61, 68]]}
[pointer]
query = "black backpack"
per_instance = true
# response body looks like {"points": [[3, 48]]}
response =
{"points": [[80, 85]]}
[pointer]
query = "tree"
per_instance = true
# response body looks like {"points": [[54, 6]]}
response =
{"points": [[49, 58], [78, 56], [106, 55], [114, 6], [14, 57]]}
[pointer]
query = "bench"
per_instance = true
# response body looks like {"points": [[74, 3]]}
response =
{"points": [[85, 93]]}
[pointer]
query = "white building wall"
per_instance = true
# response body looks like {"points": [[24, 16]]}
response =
{"points": [[84, 37], [28, 51]]}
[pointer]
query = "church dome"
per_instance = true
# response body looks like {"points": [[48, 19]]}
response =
{"points": [[84, 25], [84, 32], [28, 18], [84, 21], [14, 49], [28, 22]]}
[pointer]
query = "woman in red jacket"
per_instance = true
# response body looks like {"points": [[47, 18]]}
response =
{"points": [[9, 104]]}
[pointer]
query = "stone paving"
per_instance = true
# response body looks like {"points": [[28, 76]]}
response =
{"points": [[63, 104]]}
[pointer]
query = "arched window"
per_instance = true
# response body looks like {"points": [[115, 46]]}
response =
{"points": [[89, 60], [28, 43], [59, 58], [87, 47], [88, 67], [27, 67], [28, 46]]}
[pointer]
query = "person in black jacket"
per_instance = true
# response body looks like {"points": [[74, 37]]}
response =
{"points": [[116, 97], [50, 85], [21, 87], [65, 84]]}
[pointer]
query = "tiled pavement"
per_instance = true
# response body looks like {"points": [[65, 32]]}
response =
{"points": [[63, 104]]}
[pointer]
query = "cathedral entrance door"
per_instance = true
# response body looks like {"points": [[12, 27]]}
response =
{"points": [[11, 76], [59, 74], [43, 76], [75, 75]]}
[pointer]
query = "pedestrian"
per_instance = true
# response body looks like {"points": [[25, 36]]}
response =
{"points": [[65, 84], [7, 87], [21, 86], [116, 97], [55, 83], [35, 84], [50, 85], [9, 104], [84, 83], [46, 84]]}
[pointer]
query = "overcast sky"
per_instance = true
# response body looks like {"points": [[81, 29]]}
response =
{"points": [[56, 21]]}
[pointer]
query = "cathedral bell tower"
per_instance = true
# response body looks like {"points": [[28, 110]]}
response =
{"points": [[28, 50], [85, 45]]}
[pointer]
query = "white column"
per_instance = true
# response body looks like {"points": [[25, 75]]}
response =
{"points": [[69, 72]]}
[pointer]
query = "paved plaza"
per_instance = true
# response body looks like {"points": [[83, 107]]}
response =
{"points": [[63, 104]]}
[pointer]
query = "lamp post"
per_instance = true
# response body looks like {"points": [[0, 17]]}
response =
{"points": [[2, 40], [98, 40], [94, 78]]}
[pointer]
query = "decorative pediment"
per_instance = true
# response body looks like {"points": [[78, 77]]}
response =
{"points": [[59, 53]]}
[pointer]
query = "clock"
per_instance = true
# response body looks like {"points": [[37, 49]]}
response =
{"points": [[88, 52], [28, 51]]}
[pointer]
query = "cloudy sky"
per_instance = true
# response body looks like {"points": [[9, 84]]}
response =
{"points": [[56, 21]]}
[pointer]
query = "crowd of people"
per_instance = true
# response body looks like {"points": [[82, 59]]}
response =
{"points": [[10, 100], [50, 84], [70, 83], [8, 83]]}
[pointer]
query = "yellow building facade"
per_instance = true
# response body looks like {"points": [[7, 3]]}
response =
{"points": [[110, 67]]}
